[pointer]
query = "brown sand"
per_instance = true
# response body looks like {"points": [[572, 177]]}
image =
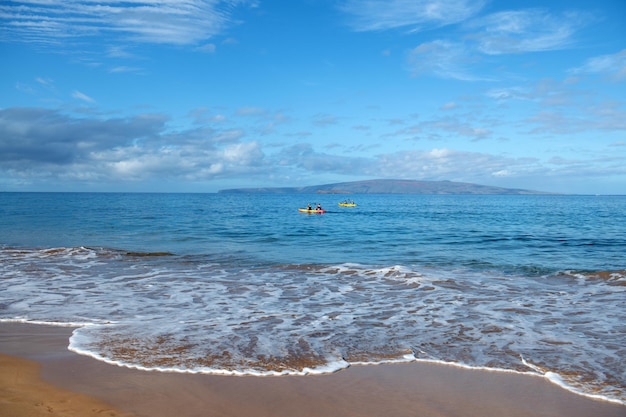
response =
{"points": [[83, 386], [23, 394]]}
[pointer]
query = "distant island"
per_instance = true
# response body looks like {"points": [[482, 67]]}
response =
{"points": [[387, 187]]}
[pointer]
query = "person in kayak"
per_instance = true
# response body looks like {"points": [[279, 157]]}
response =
{"points": [[318, 207]]}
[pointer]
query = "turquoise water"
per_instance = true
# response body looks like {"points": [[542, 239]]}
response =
{"points": [[545, 232], [245, 284]]}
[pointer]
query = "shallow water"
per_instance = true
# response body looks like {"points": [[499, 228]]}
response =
{"points": [[246, 284]]}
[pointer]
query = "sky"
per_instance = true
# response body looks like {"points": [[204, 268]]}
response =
{"points": [[198, 96]]}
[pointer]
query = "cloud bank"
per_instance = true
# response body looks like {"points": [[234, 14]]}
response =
{"points": [[49, 147]]}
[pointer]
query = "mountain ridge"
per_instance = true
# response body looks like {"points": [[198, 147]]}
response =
{"points": [[388, 186]]}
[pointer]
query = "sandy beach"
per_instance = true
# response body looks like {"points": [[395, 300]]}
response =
{"points": [[41, 377]]}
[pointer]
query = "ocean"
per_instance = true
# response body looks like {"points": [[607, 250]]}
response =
{"points": [[244, 284]]}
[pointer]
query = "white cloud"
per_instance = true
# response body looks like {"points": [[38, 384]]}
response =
{"points": [[119, 52], [372, 15], [612, 65], [529, 30], [243, 154], [153, 21], [209, 47], [450, 164], [502, 173], [508, 32], [455, 126], [508, 93], [438, 153], [81, 96], [444, 59], [46, 82], [202, 115]]}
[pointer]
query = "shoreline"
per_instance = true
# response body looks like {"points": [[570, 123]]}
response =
{"points": [[403, 389]]}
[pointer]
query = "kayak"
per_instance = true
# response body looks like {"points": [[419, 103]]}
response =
{"points": [[347, 204], [301, 210]]}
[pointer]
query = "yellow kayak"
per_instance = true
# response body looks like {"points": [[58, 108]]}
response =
{"points": [[347, 204], [303, 210]]}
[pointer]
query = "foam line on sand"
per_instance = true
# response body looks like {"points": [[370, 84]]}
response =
{"points": [[392, 390]]}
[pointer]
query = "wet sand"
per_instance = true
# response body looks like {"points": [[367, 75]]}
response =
{"points": [[53, 381]]}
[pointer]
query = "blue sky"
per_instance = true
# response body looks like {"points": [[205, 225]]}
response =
{"points": [[190, 95]]}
